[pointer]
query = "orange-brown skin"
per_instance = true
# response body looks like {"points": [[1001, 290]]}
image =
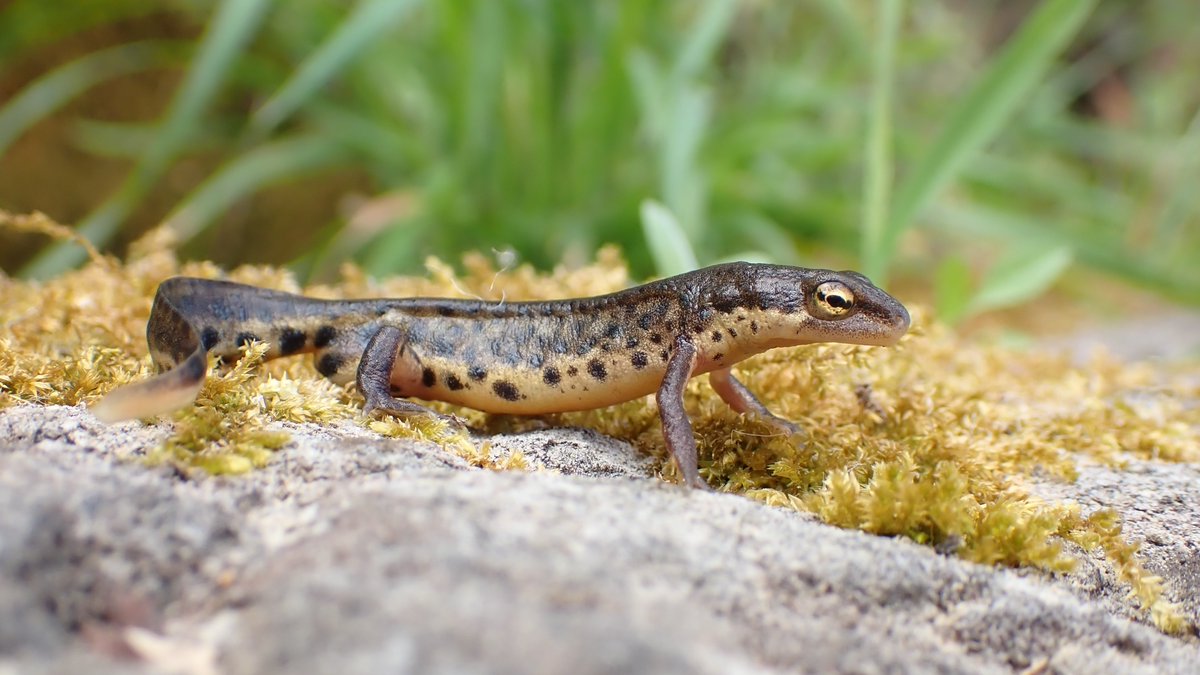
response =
{"points": [[522, 358]]}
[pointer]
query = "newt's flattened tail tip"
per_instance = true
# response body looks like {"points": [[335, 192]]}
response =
{"points": [[172, 390]]}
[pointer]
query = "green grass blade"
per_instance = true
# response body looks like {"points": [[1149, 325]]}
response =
{"points": [[840, 19], [122, 140], [952, 285], [37, 23], [669, 246], [1025, 272], [265, 165], [677, 107], [54, 89], [368, 21], [1113, 258], [1182, 198], [980, 114], [649, 84], [487, 35], [877, 178], [231, 28], [704, 38], [684, 185], [400, 246]]}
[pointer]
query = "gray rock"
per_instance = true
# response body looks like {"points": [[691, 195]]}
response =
{"points": [[352, 553], [1160, 509], [1176, 337], [577, 452]]}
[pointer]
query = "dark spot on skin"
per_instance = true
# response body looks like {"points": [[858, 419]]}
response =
{"points": [[329, 364], [476, 373], [725, 305], [716, 336], [718, 356], [325, 335], [656, 338], [209, 338], [597, 370], [428, 378], [572, 371], [732, 333], [505, 390], [244, 339], [551, 376], [631, 343], [291, 340], [612, 331], [639, 360], [753, 326], [741, 317], [663, 355], [645, 321], [453, 383]]}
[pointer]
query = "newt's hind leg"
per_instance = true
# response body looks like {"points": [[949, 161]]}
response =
{"points": [[375, 375], [742, 400], [677, 428]]}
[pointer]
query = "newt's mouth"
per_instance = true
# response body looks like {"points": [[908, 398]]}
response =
{"points": [[900, 323], [879, 329]]}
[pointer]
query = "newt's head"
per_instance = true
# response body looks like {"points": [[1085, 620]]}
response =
{"points": [[846, 307], [796, 306]]}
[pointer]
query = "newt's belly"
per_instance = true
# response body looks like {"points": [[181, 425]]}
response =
{"points": [[558, 384]]}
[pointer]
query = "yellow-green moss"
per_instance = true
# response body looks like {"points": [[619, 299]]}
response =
{"points": [[934, 440]]}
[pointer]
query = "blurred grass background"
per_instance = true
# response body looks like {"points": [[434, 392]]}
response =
{"points": [[975, 151]]}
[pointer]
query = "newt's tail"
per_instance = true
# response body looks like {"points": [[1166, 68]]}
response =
{"points": [[192, 317], [163, 393], [174, 343]]}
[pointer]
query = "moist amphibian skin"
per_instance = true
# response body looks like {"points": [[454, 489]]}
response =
{"points": [[523, 358]]}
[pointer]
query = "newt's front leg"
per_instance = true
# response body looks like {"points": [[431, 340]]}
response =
{"points": [[375, 375], [677, 428]]}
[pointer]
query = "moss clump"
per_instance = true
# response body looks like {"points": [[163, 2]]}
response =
{"points": [[452, 437], [223, 433], [935, 440]]}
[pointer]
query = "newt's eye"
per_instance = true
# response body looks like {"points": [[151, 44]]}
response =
{"points": [[832, 300]]}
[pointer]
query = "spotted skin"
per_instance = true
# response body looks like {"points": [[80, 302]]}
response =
{"points": [[523, 358]]}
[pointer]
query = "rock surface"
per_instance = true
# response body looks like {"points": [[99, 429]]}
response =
{"points": [[355, 554]]}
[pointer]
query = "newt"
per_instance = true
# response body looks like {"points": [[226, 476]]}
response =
{"points": [[523, 358]]}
